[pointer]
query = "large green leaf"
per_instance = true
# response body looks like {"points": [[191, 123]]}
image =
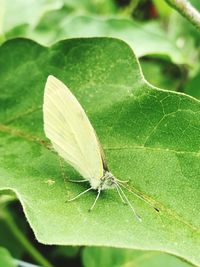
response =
{"points": [[6, 259], [150, 136], [113, 257]]}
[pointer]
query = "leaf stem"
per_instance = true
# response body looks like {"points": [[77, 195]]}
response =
{"points": [[35, 254], [131, 7], [185, 8]]}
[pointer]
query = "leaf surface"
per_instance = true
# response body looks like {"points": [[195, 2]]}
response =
{"points": [[150, 136], [115, 257], [6, 259]]}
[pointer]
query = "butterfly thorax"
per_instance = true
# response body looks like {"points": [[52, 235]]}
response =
{"points": [[105, 182]]}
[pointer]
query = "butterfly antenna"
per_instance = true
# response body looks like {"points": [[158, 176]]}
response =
{"points": [[71, 199], [142, 198], [119, 193], [95, 201], [128, 202], [122, 181]]}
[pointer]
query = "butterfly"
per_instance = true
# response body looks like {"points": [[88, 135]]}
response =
{"points": [[74, 139]]}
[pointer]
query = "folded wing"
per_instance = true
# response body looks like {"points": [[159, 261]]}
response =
{"points": [[70, 131]]}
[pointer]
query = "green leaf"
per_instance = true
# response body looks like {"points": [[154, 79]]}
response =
{"points": [[13, 25], [6, 259], [113, 257], [150, 136], [8, 238], [99, 7], [145, 38], [30, 12], [192, 86]]}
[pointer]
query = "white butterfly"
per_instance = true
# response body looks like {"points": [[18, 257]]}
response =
{"points": [[73, 137]]}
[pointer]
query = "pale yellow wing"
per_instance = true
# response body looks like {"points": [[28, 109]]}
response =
{"points": [[70, 131]]}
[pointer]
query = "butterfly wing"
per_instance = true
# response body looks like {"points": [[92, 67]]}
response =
{"points": [[70, 131]]}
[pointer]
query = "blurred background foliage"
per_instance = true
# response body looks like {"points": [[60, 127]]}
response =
{"points": [[166, 43], [168, 48]]}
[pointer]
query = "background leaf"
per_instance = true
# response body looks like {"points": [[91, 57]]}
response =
{"points": [[8, 238], [113, 257], [186, 37], [6, 259], [150, 136], [144, 38], [48, 22], [162, 74], [192, 86]]}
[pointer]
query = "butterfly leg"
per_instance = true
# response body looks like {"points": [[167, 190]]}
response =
{"points": [[71, 199], [95, 201]]}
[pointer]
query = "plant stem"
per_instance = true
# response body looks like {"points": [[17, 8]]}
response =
{"points": [[185, 8], [133, 4], [35, 254], [131, 7]]}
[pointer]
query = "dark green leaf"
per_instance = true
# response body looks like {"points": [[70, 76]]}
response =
{"points": [[161, 73], [192, 86]]}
